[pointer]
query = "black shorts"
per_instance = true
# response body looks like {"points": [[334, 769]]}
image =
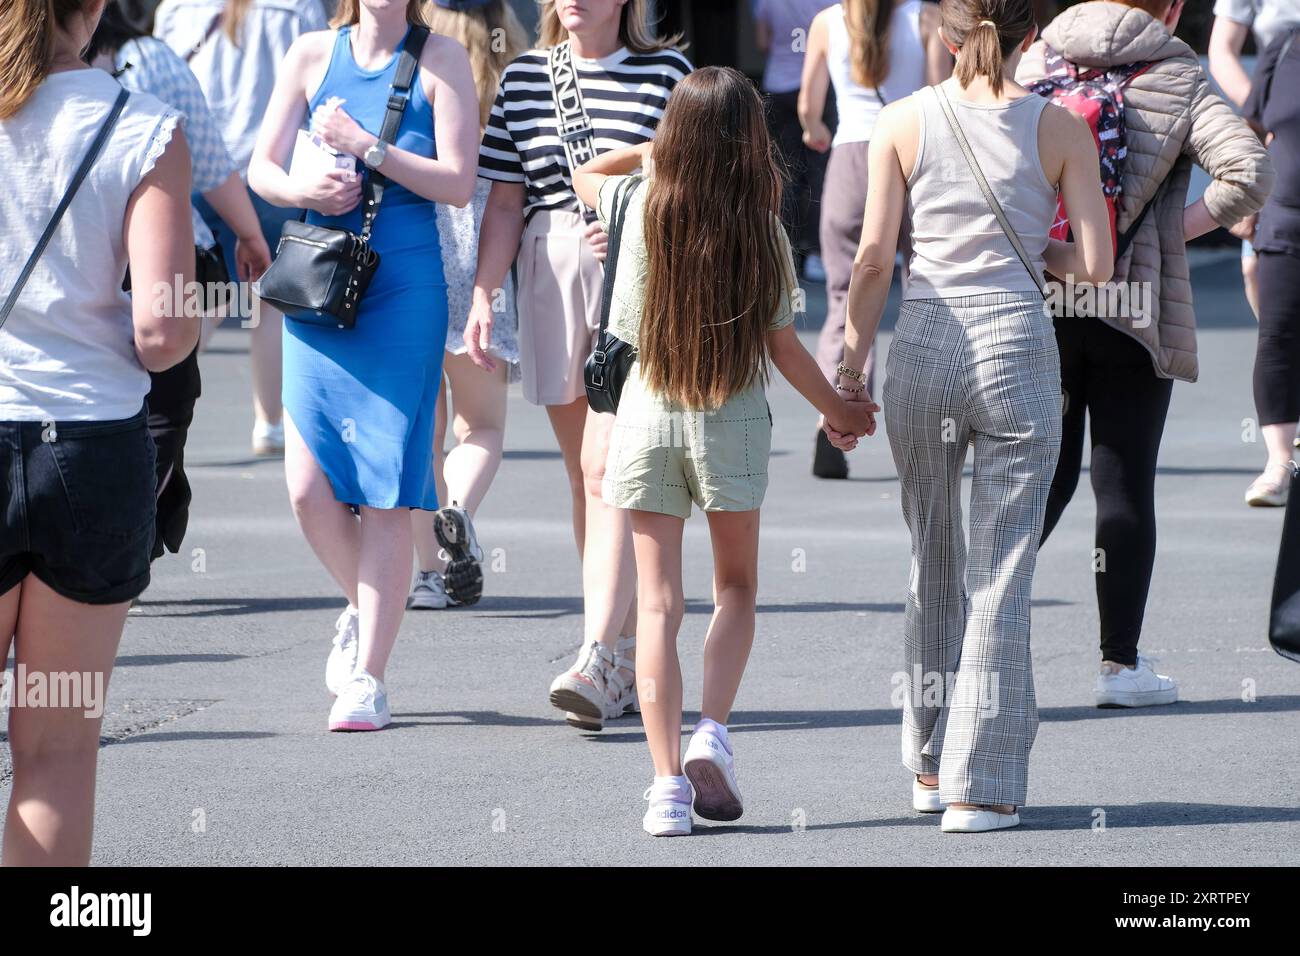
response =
{"points": [[78, 500]]}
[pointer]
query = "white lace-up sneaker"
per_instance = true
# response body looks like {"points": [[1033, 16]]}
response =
{"points": [[343, 655], [711, 769], [1140, 686], [463, 578], [362, 704], [582, 691], [669, 813], [428, 592]]}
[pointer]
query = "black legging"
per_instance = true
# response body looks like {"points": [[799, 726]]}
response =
{"points": [[1277, 356], [1108, 376]]}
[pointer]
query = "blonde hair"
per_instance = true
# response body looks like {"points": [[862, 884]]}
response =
{"points": [[868, 25], [27, 47], [634, 30], [233, 16], [492, 35]]}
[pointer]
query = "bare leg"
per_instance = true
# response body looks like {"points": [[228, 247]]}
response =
{"points": [[1250, 282], [330, 527], [568, 422], [383, 576], [426, 542], [465, 473], [51, 816], [657, 541], [1279, 440], [735, 594], [609, 574], [266, 351]]}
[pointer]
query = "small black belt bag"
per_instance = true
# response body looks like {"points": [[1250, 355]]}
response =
{"points": [[320, 274]]}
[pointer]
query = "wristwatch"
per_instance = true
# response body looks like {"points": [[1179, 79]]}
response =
{"points": [[374, 156]]}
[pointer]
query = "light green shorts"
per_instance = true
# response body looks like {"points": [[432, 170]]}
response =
{"points": [[661, 458]]}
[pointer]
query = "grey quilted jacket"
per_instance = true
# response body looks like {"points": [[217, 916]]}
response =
{"points": [[1173, 119]]}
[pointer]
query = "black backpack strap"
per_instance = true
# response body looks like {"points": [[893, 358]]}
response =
{"points": [[408, 68], [87, 161], [618, 212]]}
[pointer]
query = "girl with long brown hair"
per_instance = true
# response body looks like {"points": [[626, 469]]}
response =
{"points": [[871, 52], [705, 290]]}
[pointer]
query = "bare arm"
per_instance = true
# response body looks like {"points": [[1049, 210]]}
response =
{"points": [[800, 370], [591, 175], [159, 236], [873, 264], [1227, 39], [1066, 144], [450, 177], [813, 86], [499, 235], [231, 202], [332, 195]]}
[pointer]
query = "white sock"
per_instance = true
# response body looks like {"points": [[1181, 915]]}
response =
{"points": [[680, 784]]}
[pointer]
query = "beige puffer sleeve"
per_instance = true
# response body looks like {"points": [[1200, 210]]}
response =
{"points": [[1222, 144], [1032, 65]]}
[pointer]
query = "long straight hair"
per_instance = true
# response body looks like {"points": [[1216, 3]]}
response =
{"points": [[716, 268], [492, 35], [868, 25], [635, 31], [985, 33], [27, 47], [233, 16], [349, 12]]}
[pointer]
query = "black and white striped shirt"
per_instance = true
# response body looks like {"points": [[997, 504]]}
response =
{"points": [[624, 95]]}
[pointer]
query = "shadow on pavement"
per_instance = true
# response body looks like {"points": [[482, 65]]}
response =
{"points": [[151, 660], [235, 606]]}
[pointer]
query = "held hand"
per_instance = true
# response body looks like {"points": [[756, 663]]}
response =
{"points": [[856, 418], [335, 194], [333, 124], [478, 335], [252, 257], [598, 239], [839, 439]]}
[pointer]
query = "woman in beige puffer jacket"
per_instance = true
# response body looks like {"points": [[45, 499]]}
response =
{"points": [[1118, 370]]}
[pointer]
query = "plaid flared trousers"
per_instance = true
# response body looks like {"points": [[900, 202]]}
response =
{"points": [[979, 370]]}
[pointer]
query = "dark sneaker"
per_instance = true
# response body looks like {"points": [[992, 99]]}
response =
{"points": [[463, 577]]}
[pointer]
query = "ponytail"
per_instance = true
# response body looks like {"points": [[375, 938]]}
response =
{"points": [[985, 33], [27, 48], [868, 26]]}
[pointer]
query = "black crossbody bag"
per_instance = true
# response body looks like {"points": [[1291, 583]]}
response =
{"points": [[320, 274], [610, 361]]}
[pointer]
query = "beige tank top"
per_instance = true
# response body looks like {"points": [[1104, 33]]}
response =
{"points": [[958, 248]]}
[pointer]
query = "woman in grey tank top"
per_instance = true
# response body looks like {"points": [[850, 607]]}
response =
{"points": [[973, 362]]}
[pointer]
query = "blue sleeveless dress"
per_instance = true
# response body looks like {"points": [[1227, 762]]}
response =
{"points": [[364, 398]]}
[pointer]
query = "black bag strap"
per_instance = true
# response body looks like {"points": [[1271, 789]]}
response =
{"points": [[87, 161], [992, 200], [208, 34], [408, 66], [575, 130], [1128, 235], [618, 212]]}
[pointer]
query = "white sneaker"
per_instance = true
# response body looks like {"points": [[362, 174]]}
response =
{"points": [[343, 655], [428, 592], [463, 578], [669, 813], [362, 704], [711, 769], [977, 821], [814, 269], [1137, 686], [268, 439], [582, 690], [925, 799]]}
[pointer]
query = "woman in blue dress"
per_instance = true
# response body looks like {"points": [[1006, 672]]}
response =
{"points": [[359, 403]]}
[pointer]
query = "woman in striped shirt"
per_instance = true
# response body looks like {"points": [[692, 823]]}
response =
{"points": [[624, 74]]}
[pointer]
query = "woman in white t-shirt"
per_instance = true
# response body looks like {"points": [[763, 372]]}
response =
{"points": [[873, 52], [75, 356]]}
